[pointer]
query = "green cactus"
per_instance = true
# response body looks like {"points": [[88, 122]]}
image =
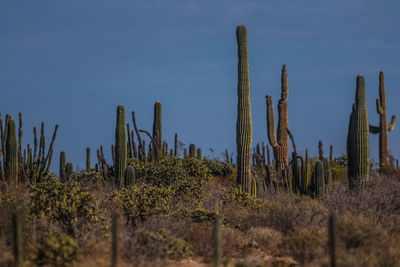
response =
{"points": [[331, 153], [384, 127], [318, 179], [243, 122], [279, 143], [62, 166], [328, 175], [115, 241], [176, 145], [192, 150], [88, 162], [120, 147], [199, 154], [69, 170], [185, 153], [17, 240], [11, 157], [358, 138], [217, 257], [129, 176], [157, 129], [320, 150]]}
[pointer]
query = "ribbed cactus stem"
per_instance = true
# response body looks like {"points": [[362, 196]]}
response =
{"points": [[358, 138], [11, 157], [217, 257], [331, 153], [192, 150], [88, 162], [115, 241], [280, 142], [69, 170], [120, 147], [199, 154], [17, 240], [320, 150], [129, 176], [332, 239], [62, 166], [384, 126], [319, 179], [157, 129], [243, 122], [176, 145], [185, 153]]}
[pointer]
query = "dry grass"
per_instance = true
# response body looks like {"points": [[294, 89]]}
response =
{"points": [[276, 230]]}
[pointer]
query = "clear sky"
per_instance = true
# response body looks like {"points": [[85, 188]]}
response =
{"points": [[72, 62]]}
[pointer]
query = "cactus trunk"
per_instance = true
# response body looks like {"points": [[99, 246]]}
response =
{"points": [[358, 138], [244, 122], [120, 147]]}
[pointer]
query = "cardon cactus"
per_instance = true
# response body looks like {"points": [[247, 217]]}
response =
{"points": [[199, 154], [129, 176], [280, 142], [157, 130], [88, 162], [328, 175], [318, 179], [358, 138], [69, 170], [243, 122], [120, 147], [192, 150], [384, 126], [62, 166], [11, 157]]}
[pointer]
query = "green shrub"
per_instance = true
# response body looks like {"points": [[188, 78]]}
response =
{"points": [[217, 168], [202, 215], [236, 197], [66, 204], [162, 244], [91, 176], [58, 249], [140, 202]]}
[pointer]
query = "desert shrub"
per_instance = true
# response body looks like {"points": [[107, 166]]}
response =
{"points": [[304, 243], [286, 212], [236, 197], [141, 168], [199, 214], [58, 249], [161, 244], [140, 202], [267, 238], [91, 176], [68, 205], [218, 168]]}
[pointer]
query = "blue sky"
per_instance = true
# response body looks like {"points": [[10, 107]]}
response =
{"points": [[72, 62]]}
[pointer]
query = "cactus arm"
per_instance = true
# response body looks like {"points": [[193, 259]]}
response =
{"points": [[271, 122], [374, 129], [379, 108], [392, 123], [292, 138]]}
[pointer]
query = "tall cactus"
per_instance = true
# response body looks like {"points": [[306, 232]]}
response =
{"points": [[62, 166], [130, 176], [157, 130], [192, 150], [243, 123], [358, 138], [11, 157], [88, 161], [384, 126], [280, 142], [120, 147]]}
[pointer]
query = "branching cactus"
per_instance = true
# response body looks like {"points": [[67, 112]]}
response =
{"points": [[244, 122], [358, 138], [280, 142], [11, 157], [384, 126], [318, 179], [120, 147], [157, 130]]}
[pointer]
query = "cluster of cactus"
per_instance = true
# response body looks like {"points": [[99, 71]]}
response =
{"points": [[244, 122], [259, 157], [23, 165]]}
